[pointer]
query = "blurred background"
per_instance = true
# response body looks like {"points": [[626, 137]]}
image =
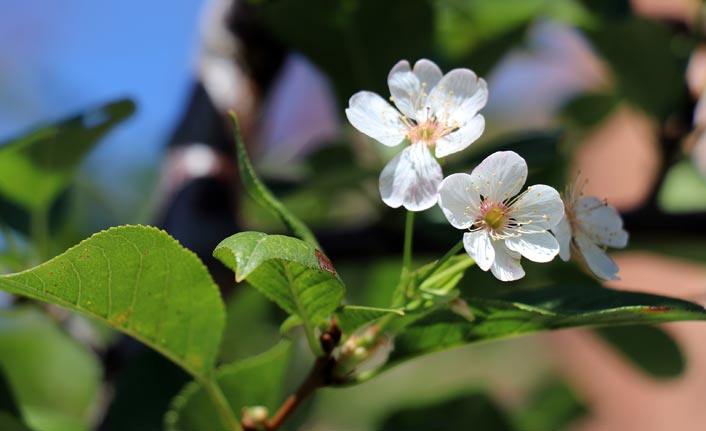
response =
{"points": [[611, 89]]}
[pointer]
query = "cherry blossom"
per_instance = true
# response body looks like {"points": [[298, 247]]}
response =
{"points": [[588, 227], [434, 112], [502, 225]]}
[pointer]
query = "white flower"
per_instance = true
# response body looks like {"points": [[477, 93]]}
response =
{"points": [[589, 226], [434, 112], [503, 226]]}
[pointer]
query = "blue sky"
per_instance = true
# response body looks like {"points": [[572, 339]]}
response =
{"points": [[59, 57]]}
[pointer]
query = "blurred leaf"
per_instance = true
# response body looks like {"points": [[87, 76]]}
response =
{"points": [[648, 69], [526, 311], [8, 404], [19, 218], [552, 407], [355, 42], [251, 325], [38, 358], [290, 272], [649, 348], [470, 26], [539, 148], [140, 281], [9, 422], [255, 381], [40, 165], [473, 411], [10, 414], [260, 194], [608, 9], [143, 391], [688, 247], [353, 317], [683, 189], [588, 110]]}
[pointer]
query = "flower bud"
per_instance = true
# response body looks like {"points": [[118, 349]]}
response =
{"points": [[255, 417]]}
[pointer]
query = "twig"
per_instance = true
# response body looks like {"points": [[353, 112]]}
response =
{"points": [[321, 375]]}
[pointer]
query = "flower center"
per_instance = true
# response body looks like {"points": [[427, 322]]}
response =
{"points": [[494, 218], [493, 215], [427, 132]]}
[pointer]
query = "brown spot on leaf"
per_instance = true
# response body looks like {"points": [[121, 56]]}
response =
{"points": [[121, 318], [657, 309], [324, 262]]}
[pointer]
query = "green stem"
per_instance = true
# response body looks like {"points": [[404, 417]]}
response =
{"points": [[407, 256], [449, 254], [453, 269], [406, 261], [40, 232], [221, 404]]}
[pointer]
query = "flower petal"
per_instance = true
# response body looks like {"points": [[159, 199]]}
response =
{"points": [[506, 266], [410, 89], [411, 179], [562, 233], [405, 88], [537, 247], [372, 115], [600, 222], [597, 260], [461, 138], [500, 176], [457, 97], [479, 246], [539, 208], [428, 72], [459, 201]]}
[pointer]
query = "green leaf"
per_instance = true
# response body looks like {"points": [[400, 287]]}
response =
{"points": [[290, 272], [37, 358], [437, 289], [38, 166], [527, 311], [255, 381], [442, 279], [353, 317], [647, 347], [260, 194], [467, 26], [142, 282], [290, 323]]}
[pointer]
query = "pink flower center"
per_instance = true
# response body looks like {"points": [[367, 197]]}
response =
{"points": [[427, 132], [493, 215]]}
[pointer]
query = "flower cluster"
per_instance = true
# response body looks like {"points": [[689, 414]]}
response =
{"points": [[437, 115]]}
